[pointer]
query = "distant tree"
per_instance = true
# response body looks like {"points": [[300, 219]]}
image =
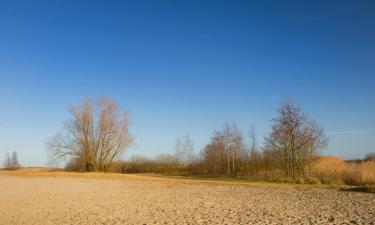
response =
{"points": [[370, 156], [7, 161], [167, 163], [296, 138], [139, 159], [184, 150], [253, 139], [139, 164], [254, 157], [166, 159], [95, 136], [225, 153], [15, 163], [11, 161]]}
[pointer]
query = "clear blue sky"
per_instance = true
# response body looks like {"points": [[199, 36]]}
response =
{"points": [[187, 67]]}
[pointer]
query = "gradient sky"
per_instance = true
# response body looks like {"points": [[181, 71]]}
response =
{"points": [[187, 67]]}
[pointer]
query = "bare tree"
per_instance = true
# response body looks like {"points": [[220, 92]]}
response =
{"points": [[96, 135], [139, 164], [11, 161], [296, 138], [167, 163], [254, 157], [253, 139], [225, 154], [184, 150]]}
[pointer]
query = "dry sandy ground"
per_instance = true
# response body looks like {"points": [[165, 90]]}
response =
{"points": [[60, 199]]}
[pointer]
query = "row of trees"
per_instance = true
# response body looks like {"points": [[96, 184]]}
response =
{"points": [[289, 151], [294, 143], [97, 136], [226, 153], [183, 161]]}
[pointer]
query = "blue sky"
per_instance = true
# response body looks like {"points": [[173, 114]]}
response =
{"points": [[187, 67]]}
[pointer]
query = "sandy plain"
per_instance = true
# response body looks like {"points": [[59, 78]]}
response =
{"points": [[41, 197]]}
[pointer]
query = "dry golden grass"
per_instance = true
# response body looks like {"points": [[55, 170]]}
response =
{"points": [[362, 173], [329, 169], [334, 170]]}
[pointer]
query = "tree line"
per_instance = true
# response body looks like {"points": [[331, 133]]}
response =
{"points": [[288, 151], [294, 143], [97, 135]]}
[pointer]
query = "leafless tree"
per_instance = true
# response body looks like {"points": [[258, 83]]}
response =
{"points": [[167, 163], [296, 138], [7, 161], [253, 139], [11, 161], [96, 135], [225, 154], [139, 164], [254, 157], [184, 150]]}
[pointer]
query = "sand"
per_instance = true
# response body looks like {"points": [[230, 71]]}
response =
{"points": [[134, 200]]}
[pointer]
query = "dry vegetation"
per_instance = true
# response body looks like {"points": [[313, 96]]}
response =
{"points": [[334, 170], [329, 170], [95, 138]]}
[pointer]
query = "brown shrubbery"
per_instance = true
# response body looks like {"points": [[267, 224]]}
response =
{"points": [[325, 170], [334, 170]]}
